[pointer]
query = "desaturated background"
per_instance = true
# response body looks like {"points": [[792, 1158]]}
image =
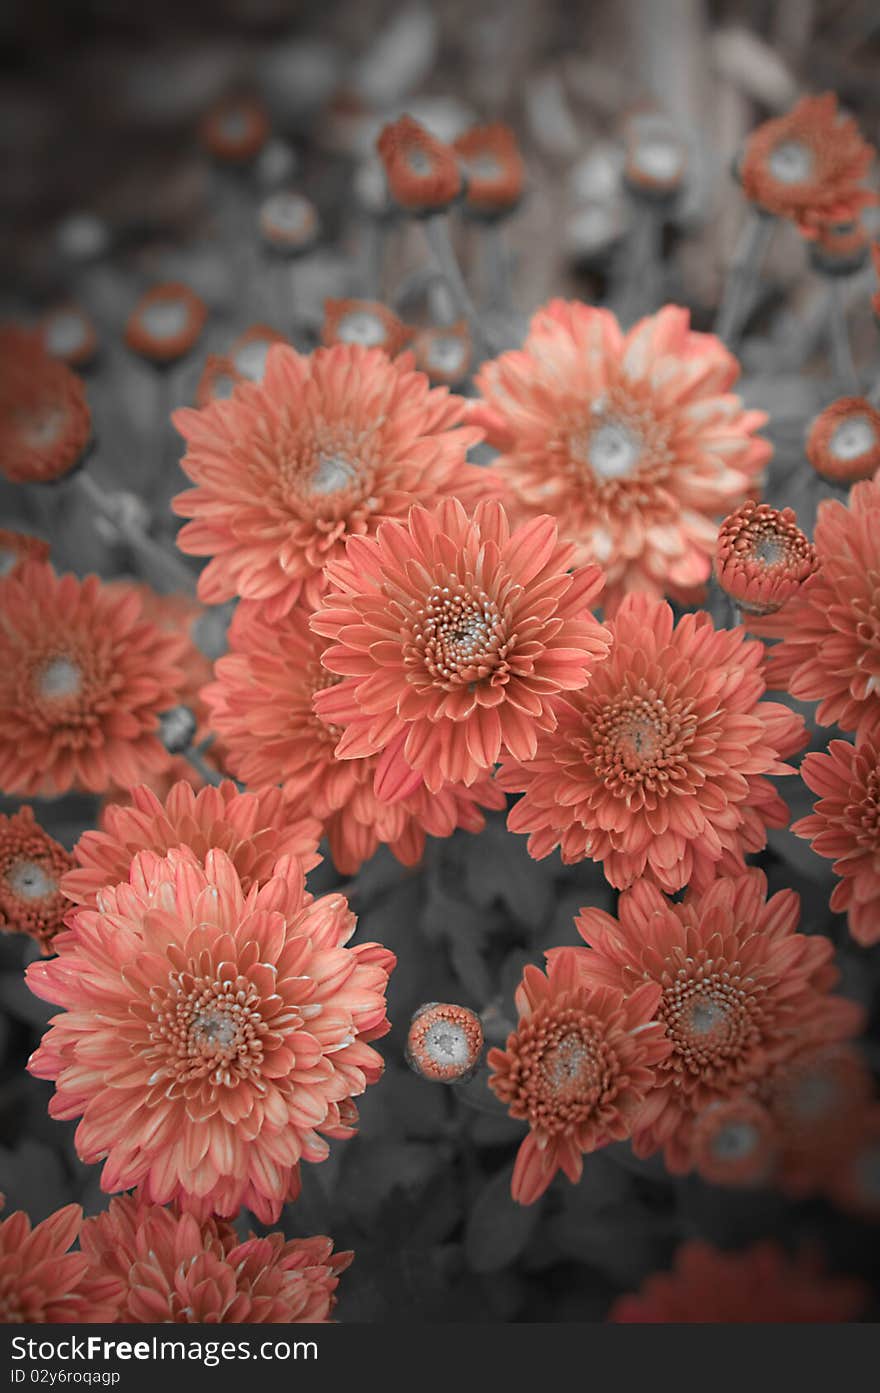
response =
{"points": [[98, 112]]}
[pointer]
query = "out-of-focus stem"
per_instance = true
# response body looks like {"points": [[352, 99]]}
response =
{"points": [[108, 507], [372, 256], [497, 267], [843, 364], [194, 756], [437, 232], [745, 272], [641, 294]]}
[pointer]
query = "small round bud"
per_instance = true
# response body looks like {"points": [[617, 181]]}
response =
{"points": [[445, 1042], [656, 159], [444, 353], [365, 322], [165, 323], [843, 443], [235, 130], [288, 223], [422, 172], [762, 557], [177, 727]]}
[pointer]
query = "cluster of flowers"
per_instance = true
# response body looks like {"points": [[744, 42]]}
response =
{"points": [[414, 639]]}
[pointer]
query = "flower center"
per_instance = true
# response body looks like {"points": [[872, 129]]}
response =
{"points": [[206, 1032], [852, 438], [59, 678], [791, 162], [658, 159], [447, 1044], [288, 214], [361, 327], [613, 451], [484, 168], [164, 319], [65, 334], [446, 354], [706, 1015], [214, 1032], [459, 635], [234, 124], [30, 881], [710, 1018], [43, 429], [639, 740], [332, 472], [735, 1141], [770, 550], [419, 162], [570, 1068]]}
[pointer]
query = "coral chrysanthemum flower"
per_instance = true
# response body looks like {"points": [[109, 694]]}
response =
{"points": [[423, 174], [577, 1068], [762, 557], [235, 130], [634, 442], [843, 443], [83, 679], [31, 867], [263, 707], [325, 447], [659, 766], [759, 1285], [808, 165], [493, 168], [18, 547], [41, 1283], [45, 423], [735, 1143], [830, 629], [845, 827], [211, 1039], [737, 983], [817, 1099], [452, 636], [254, 830], [165, 323], [367, 322], [167, 1267]]}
